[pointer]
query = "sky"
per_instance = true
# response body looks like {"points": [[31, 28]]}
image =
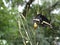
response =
{"points": [[21, 8]]}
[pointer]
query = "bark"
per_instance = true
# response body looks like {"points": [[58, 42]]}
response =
{"points": [[27, 7]]}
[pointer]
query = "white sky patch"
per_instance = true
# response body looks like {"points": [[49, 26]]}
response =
{"points": [[6, 4], [1, 8], [3, 41], [37, 2], [56, 37], [20, 8], [26, 0], [56, 11]]}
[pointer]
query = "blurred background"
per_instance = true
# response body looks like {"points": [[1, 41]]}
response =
{"points": [[16, 22]]}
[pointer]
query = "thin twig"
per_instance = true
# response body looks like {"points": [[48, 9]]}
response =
{"points": [[25, 30], [19, 26]]}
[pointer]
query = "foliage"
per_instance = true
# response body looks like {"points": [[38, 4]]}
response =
{"points": [[17, 30]]}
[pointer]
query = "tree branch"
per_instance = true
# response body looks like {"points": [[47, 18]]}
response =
{"points": [[27, 7]]}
